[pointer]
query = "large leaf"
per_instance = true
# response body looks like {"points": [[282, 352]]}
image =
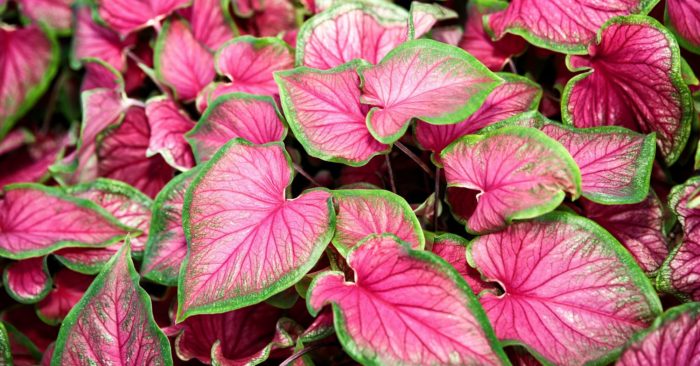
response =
{"points": [[615, 162], [29, 61], [567, 26], [673, 339], [210, 22], [324, 112], [520, 173], [237, 203], [405, 307], [27, 280], [361, 212], [113, 322], [633, 81], [126, 16], [168, 126], [453, 249], [68, 288], [252, 117], [515, 96], [425, 79], [36, 220], [571, 293], [92, 40], [683, 18]]}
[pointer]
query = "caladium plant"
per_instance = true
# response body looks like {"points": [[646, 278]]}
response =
{"points": [[333, 182]]}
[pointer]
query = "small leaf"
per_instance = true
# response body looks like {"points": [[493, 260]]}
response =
{"points": [[422, 17], [572, 293], [68, 289], [168, 125], [127, 16], [683, 19], [416, 297], [236, 203], [56, 14], [361, 212], [27, 280], [424, 79], [453, 249], [520, 173], [113, 322]]}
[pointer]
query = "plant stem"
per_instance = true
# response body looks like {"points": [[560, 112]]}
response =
{"points": [[414, 157], [306, 175], [437, 199], [511, 64], [392, 183], [300, 353]]}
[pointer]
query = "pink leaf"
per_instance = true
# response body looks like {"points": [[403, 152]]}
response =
{"points": [[253, 118], [515, 96], [424, 79], [100, 75], [168, 125], [113, 322], [36, 220], [95, 41], [181, 62], [422, 18], [567, 26], [31, 163], [86, 260], [249, 63], [361, 212], [127, 16], [68, 289], [246, 8], [572, 293], [475, 40], [448, 34], [453, 249], [400, 299], [324, 112], [520, 173], [276, 17], [244, 186], [683, 18], [210, 25], [122, 155], [639, 227], [27, 280], [615, 163], [54, 13], [673, 339], [638, 53], [29, 61]]}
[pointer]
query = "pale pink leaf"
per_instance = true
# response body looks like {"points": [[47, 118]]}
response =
{"points": [[127, 16], [422, 18], [27, 280], [168, 125], [448, 34]]}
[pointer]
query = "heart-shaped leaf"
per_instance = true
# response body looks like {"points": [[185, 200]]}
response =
{"points": [[515, 96], [683, 18], [27, 280], [425, 79], [36, 220], [237, 203], [95, 41], [520, 173], [567, 26], [210, 22], [113, 322], [572, 293], [181, 62], [249, 63], [68, 288], [168, 125], [324, 112], [415, 296], [453, 249], [361, 212], [615, 162], [637, 52], [126, 16], [252, 117], [673, 339], [29, 61]]}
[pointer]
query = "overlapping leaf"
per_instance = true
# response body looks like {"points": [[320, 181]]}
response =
{"points": [[27, 280], [168, 125], [683, 18], [453, 249], [68, 288]]}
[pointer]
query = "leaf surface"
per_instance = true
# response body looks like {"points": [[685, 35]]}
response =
{"points": [[92, 40], [683, 18], [168, 125], [453, 249], [210, 23], [27, 280], [127, 16], [56, 14]]}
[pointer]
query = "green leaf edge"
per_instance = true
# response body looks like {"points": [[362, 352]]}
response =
{"points": [[5, 351], [438, 11], [165, 153], [682, 41], [31, 299]]}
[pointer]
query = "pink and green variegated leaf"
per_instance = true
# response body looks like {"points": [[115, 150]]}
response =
{"points": [[30, 57], [639, 227], [417, 296], [475, 40], [637, 52], [100, 75], [167, 246], [181, 62], [5, 348], [92, 40], [422, 17], [425, 79], [27, 280], [615, 162], [210, 22], [68, 288], [87, 261], [122, 155], [517, 95], [567, 26], [56, 14], [520, 173], [236, 203], [572, 293], [351, 30], [683, 18], [323, 110], [362, 212], [278, 17], [680, 271], [673, 339], [168, 125], [36, 220], [453, 249], [30, 163], [249, 63], [240, 337], [254, 118], [127, 16], [113, 322]]}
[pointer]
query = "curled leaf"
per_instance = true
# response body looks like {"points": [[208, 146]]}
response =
{"points": [[27, 280]]}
